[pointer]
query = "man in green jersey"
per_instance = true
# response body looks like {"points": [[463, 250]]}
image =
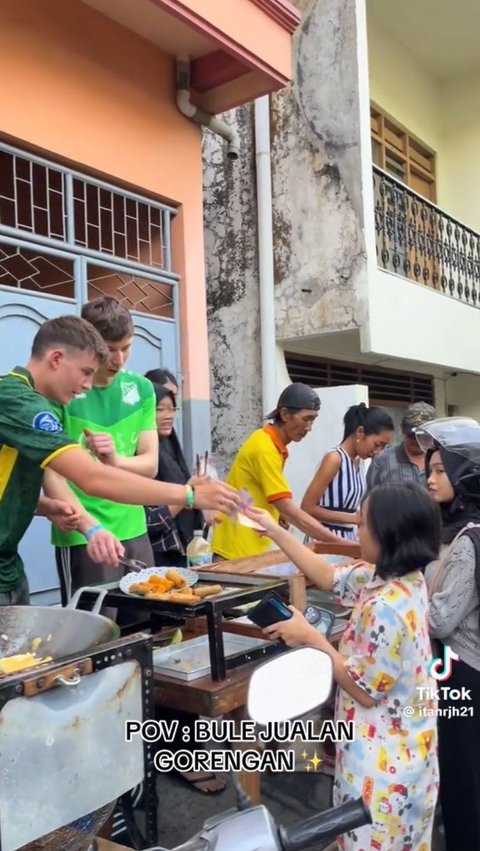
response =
{"points": [[116, 422], [66, 354]]}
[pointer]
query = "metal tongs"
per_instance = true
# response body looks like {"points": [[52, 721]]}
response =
{"points": [[132, 564]]}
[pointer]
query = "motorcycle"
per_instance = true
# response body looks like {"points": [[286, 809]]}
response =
{"points": [[309, 675]]}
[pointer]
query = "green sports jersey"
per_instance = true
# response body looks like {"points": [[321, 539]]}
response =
{"points": [[125, 408], [31, 435]]}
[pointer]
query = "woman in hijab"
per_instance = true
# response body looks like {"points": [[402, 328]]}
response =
{"points": [[170, 528], [453, 472]]}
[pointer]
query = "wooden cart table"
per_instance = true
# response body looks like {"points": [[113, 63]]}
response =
{"points": [[204, 696], [298, 582]]}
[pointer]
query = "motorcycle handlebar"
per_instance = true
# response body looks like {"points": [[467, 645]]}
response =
{"points": [[325, 825]]}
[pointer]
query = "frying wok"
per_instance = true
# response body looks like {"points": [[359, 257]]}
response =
{"points": [[63, 632]]}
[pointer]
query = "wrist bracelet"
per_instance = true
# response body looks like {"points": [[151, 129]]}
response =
{"points": [[190, 496], [92, 531]]}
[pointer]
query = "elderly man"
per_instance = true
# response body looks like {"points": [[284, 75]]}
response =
{"points": [[405, 461], [258, 469]]}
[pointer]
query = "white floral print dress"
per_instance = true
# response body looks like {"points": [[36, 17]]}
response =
{"points": [[392, 763]]}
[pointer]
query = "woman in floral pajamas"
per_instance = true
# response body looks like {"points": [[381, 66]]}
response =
{"points": [[381, 667]]}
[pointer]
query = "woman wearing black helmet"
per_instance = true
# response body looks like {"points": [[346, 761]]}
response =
{"points": [[453, 471]]}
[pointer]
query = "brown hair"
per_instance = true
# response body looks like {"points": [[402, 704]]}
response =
{"points": [[71, 332], [109, 317]]}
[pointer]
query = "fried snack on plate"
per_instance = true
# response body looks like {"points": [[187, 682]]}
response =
{"points": [[141, 588], [154, 580], [159, 583], [173, 597], [183, 597], [176, 578], [208, 591]]}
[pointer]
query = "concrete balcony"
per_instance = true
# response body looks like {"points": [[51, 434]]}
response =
{"points": [[423, 293], [376, 273]]}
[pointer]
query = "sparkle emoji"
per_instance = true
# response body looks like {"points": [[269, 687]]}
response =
{"points": [[311, 762]]}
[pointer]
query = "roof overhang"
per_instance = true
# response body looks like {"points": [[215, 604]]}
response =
{"points": [[238, 49]]}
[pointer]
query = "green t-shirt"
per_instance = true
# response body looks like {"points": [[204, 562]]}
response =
{"points": [[31, 435], [124, 409]]}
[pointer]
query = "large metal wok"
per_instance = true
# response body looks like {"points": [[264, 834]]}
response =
{"points": [[62, 632], [55, 722]]}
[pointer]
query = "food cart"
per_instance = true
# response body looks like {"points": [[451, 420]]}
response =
{"points": [[219, 687], [56, 720], [59, 750]]}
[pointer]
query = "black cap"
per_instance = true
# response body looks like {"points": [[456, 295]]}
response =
{"points": [[298, 396]]}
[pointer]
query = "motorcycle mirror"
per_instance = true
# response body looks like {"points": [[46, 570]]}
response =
{"points": [[290, 685]]}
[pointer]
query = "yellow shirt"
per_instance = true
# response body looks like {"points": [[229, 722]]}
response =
{"points": [[258, 467]]}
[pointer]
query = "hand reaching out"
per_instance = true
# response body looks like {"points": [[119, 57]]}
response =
{"points": [[103, 547], [263, 518], [102, 446]]}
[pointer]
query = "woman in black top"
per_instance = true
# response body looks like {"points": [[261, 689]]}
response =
{"points": [[170, 528]]}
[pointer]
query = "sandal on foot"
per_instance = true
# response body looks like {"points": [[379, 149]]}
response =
{"points": [[204, 781]]}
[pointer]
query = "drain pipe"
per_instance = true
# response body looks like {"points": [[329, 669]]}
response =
{"points": [[265, 253], [187, 108]]}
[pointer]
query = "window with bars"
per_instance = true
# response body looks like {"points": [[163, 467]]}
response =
{"points": [[386, 386], [45, 205], [106, 220]]}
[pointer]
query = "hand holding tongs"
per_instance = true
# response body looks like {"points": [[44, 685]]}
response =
{"points": [[132, 564]]}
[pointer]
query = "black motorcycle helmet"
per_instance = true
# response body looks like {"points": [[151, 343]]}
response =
{"points": [[458, 440]]}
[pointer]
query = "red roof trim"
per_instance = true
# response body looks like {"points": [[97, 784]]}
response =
{"points": [[283, 12], [183, 13], [215, 69]]}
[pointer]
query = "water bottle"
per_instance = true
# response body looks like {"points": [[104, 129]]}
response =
{"points": [[199, 551]]}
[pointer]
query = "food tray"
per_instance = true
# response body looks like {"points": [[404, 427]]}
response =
{"points": [[194, 655]]}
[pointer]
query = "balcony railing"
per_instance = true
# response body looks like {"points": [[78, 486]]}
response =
{"points": [[419, 241]]}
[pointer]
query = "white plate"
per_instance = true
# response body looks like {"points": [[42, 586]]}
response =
{"points": [[190, 576]]}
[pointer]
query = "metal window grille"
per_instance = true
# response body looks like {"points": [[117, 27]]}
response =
{"points": [[46, 208]]}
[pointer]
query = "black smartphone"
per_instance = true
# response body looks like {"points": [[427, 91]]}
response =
{"points": [[271, 609]]}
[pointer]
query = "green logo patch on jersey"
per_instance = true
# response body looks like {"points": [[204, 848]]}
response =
{"points": [[130, 394]]}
